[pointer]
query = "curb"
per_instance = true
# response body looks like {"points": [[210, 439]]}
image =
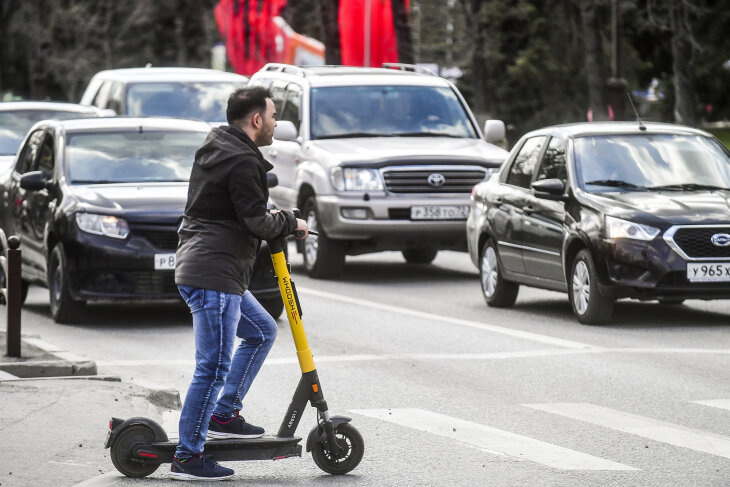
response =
{"points": [[66, 363]]}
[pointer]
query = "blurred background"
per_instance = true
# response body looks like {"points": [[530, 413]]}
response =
{"points": [[528, 62]]}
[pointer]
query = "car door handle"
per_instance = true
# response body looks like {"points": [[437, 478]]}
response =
{"points": [[529, 209], [273, 153]]}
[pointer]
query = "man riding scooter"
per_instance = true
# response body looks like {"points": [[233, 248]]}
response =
{"points": [[225, 219]]}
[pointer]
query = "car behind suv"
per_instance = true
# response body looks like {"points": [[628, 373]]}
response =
{"points": [[164, 92], [605, 211], [378, 159]]}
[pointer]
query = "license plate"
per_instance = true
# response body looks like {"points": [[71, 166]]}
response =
{"points": [[164, 262], [710, 272], [455, 212]]}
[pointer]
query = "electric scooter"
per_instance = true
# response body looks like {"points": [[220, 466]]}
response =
{"points": [[140, 445]]}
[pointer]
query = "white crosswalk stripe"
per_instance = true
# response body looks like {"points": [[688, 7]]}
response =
{"points": [[654, 429], [493, 440], [715, 403]]}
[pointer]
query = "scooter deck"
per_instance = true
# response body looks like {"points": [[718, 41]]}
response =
{"points": [[264, 448]]}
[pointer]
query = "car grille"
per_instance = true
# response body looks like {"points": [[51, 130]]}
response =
{"points": [[417, 181], [154, 282], [159, 238], [696, 242]]}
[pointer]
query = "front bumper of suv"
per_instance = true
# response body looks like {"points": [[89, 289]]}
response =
{"points": [[388, 220]]}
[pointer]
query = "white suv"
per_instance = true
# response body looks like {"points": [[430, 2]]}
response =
{"points": [[377, 158], [164, 92]]}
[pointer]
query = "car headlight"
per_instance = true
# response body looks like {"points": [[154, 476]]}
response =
{"points": [[617, 228], [356, 179], [108, 225]]}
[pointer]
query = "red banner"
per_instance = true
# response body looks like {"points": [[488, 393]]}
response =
{"points": [[379, 34]]}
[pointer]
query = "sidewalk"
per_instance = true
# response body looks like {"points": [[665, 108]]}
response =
{"points": [[54, 415]]}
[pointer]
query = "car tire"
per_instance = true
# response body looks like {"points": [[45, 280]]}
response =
{"points": [[589, 306], [498, 292], [64, 308], [419, 256], [273, 306], [323, 257]]}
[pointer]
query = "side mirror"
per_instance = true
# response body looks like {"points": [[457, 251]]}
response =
{"points": [[285, 131], [495, 132], [271, 180], [33, 181], [549, 189]]}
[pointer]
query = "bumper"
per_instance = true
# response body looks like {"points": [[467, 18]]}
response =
{"points": [[651, 270], [103, 268], [388, 219]]}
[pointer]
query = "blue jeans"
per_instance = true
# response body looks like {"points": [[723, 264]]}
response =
{"points": [[218, 318]]}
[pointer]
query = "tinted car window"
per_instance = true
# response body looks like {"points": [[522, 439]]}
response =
{"points": [[291, 108], [131, 156], [15, 124], [46, 158], [630, 162], [202, 101], [553, 162], [520, 174], [30, 150], [388, 111]]}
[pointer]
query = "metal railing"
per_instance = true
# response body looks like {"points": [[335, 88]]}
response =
{"points": [[11, 291]]}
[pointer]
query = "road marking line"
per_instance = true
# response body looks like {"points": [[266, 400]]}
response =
{"points": [[109, 478], [493, 440], [715, 403], [654, 429], [432, 356], [526, 335]]}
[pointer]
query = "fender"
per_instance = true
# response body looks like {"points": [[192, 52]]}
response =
{"points": [[317, 435], [117, 427]]}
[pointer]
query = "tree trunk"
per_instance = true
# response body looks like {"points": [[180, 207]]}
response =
{"points": [[684, 107], [478, 32], [329, 10], [402, 31], [593, 59]]}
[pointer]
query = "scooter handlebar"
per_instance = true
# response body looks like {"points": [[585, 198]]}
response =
{"points": [[298, 214]]}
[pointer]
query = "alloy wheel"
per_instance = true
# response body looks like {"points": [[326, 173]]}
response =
{"points": [[311, 245], [581, 288], [489, 272]]}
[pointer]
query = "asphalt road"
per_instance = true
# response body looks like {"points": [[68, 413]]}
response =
{"points": [[449, 392]]}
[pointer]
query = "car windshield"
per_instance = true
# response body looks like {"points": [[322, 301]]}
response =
{"points": [[392, 111], [198, 100], [651, 162], [15, 124], [131, 157]]}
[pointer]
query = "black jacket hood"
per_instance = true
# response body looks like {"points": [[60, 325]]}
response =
{"points": [[224, 143]]}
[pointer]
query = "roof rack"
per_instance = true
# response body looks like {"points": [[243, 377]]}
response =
{"points": [[414, 68], [285, 68]]}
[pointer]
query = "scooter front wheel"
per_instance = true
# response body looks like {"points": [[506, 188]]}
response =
{"points": [[353, 446], [123, 447]]}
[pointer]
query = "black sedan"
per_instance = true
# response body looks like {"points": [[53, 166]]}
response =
{"points": [[97, 204], [604, 211]]}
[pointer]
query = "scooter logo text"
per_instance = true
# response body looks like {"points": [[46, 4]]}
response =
{"points": [[291, 302], [293, 418]]}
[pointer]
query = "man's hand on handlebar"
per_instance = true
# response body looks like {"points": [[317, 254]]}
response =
{"points": [[302, 229]]}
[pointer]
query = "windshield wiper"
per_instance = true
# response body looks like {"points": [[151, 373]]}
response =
{"points": [[615, 183], [352, 135], [686, 187], [426, 134]]}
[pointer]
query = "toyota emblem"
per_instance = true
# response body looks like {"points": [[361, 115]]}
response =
{"points": [[437, 179], [720, 239]]}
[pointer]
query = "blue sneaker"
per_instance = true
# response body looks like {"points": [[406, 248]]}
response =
{"points": [[200, 467], [235, 427]]}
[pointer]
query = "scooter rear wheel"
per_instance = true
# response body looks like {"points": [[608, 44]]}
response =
{"points": [[121, 451], [349, 438]]}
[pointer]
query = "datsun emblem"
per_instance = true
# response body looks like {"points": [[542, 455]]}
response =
{"points": [[721, 239]]}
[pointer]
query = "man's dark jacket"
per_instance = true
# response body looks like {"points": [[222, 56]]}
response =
{"points": [[226, 215]]}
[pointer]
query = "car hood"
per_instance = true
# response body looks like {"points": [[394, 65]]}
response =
{"points": [[381, 149], [672, 207], [137, 202], [5, 163]]}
